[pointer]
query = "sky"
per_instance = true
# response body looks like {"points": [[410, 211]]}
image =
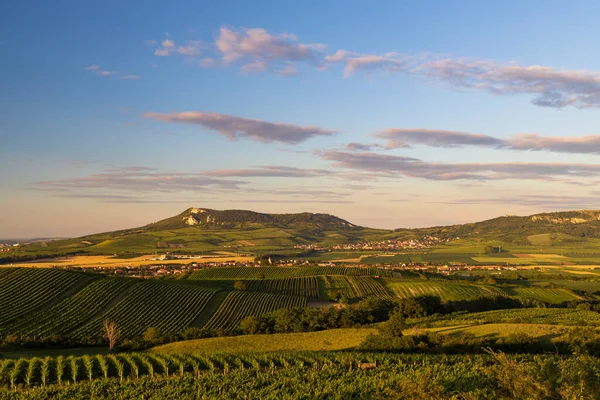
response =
{"points": [[389, 114]]}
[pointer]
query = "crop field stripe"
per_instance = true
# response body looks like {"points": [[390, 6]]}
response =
{"points": [[72, 311], [27, 289], [365, 286], [5, 271], [244, 273], [170, 308], [238, 305], [304, 286]]}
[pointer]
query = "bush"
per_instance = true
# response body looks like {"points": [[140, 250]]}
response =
{"points": [[152, 335], [394, 327]]}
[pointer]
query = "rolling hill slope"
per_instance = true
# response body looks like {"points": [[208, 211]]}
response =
{"points": [[207, 231]]}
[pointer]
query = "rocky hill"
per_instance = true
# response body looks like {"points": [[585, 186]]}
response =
{"points": [[227, 219]]}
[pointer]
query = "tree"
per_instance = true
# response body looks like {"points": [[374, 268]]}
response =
{"points": [[239, 285], [394, 326], [488, 280], [152, 335], [250, 325], [112, 333]]}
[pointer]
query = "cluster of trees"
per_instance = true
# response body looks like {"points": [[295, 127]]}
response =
{"points": [[368, 311], [17, 256], [580, 340]]}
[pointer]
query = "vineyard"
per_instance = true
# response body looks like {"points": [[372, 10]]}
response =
{"points": [[306, 287], [337, 285], [300, 375], [170, 308], [365, 286], [25, 290], [244, 273], [72, 311], [447, 291], [43, 303], [238, 305]]}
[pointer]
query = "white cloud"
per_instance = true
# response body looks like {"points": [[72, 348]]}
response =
{"points": [[258, 50], [190, 48]]}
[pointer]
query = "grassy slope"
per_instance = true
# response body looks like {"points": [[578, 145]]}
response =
{"points": [[335, 339], [542, 332]]}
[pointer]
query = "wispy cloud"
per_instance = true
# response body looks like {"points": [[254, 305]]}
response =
{"points": [[190, 48], [234, 127], [550, 87], [257, 50], [130, 77], [391, 165], [363, 146], [139, 184], [99, 71], [95, 68], [135, 178], [271, 171], [407, 137], [545, 201]]}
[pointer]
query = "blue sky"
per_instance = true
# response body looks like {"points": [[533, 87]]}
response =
{"points": [[389, 114]]}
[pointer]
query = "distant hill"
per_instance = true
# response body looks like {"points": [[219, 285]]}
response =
{"points": [[208, 231], [204, 231], [240, 219], [568, 225]]}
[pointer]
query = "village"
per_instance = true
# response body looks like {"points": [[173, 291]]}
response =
{"points": [[183, 270], [425, 242]]}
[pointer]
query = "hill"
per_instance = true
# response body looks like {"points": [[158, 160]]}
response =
{"points": [[574, 226], [243, 219], [328, 340], [502, 240], [202, 231]]}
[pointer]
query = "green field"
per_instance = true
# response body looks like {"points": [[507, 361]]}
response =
{"points": [[556, 316], [57, 303], [539, 332], [335, 339]]}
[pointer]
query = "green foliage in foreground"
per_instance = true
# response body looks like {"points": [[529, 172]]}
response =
{"points": [[311, 375]]}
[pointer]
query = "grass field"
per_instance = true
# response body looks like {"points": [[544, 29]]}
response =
{"points": [[541, 332], [548, 316], [335, 339]]}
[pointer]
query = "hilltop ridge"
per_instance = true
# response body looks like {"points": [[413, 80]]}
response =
{"points": [[206, 217]]}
